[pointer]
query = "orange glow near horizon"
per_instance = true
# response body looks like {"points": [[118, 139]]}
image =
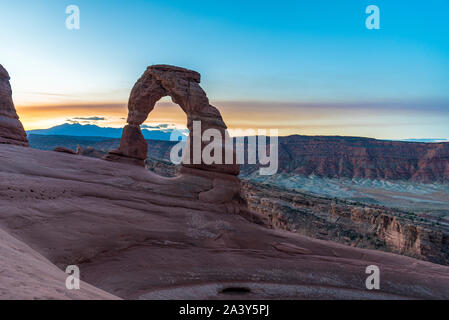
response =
{"points": [[45, 116], [289, 119]]}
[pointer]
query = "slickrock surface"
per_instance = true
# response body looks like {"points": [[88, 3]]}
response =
{"points": [[137, 235], [11, 129], [26, 274], [404, 217], [182, 85], [64, 150]]}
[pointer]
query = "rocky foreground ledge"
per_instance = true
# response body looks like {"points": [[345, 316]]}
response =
{"points": [[136, 235]]}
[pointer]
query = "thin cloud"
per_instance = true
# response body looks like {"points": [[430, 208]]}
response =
{"points": [[161, 126], [90, 118], [422, 105], [48, 94]]}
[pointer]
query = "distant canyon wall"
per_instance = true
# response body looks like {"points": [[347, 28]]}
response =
{"points": [[329, 157], [353, 157], [354, 224]]}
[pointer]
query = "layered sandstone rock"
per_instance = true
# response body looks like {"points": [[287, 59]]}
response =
{"points": [[350, 223], [137, 235], [182, 85], [365, 158], [64, 150], [133, 147], [11, 129]]}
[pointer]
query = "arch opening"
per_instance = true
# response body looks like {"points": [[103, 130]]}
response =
{"points": [[169, 123]]}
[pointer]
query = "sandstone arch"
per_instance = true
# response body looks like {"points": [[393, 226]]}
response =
{"points": [[182, 85]]}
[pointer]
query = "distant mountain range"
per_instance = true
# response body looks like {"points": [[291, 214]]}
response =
{"points": [[89, 130], [427, 140], [154, 133]]}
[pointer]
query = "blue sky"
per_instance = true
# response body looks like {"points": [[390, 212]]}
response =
{"points": [[301, 58]]}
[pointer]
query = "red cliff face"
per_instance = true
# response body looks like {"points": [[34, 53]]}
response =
{"points": [[330, 157], [350, 223], [352, 157]]}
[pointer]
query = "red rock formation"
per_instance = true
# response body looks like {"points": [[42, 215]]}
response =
{"points": [[330, 157], [354, 224], [354, 157], [11, 129], [133, 147], [137, 235], [183, 87], [64, 150]]}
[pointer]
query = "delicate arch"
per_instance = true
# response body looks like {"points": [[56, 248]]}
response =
{"points": [[182, 85]]}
